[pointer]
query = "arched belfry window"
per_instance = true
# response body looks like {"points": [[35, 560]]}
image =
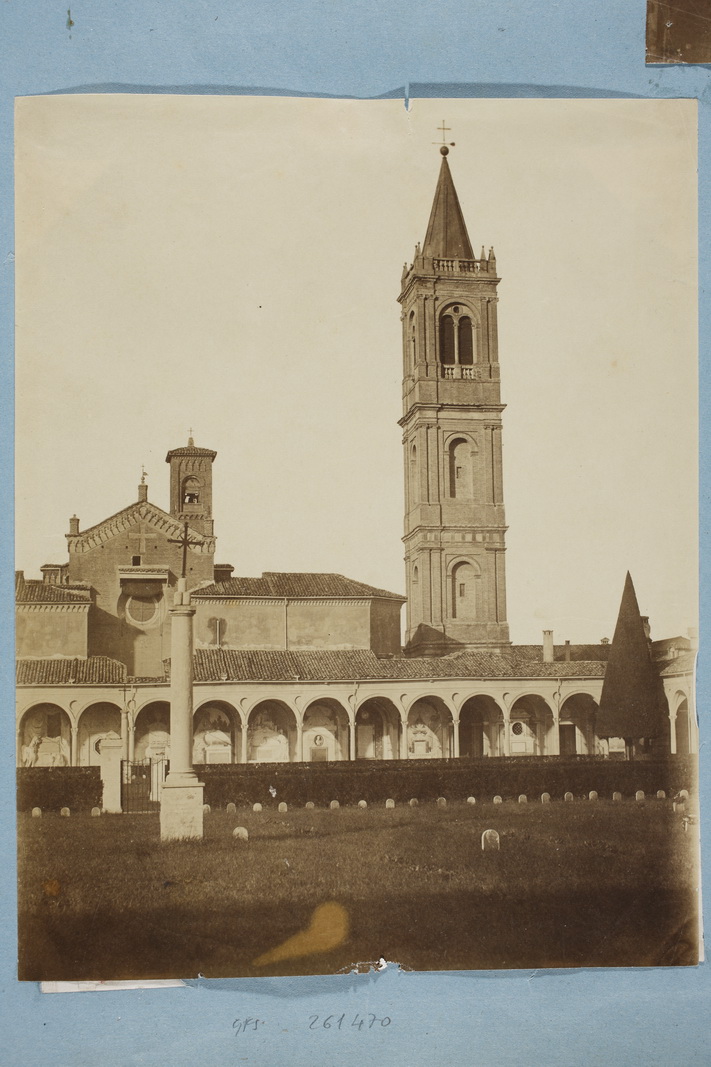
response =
{"points": [[460, 456], [457, 341], [447, 347], [191, 490], [464, 583], [466, 341]]}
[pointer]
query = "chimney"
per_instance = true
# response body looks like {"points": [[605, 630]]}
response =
{"points": [[693, 635], [142, 493], [566, 652], [73, 525], [548, 654]]}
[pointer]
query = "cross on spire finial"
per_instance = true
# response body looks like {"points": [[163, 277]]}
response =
{"points": [[144, 472], [443, 143]]}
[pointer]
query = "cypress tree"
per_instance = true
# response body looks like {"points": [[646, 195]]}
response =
{"points": [[632, 705]]}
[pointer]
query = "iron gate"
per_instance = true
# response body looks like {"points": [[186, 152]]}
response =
{"points": [[141, 785]]}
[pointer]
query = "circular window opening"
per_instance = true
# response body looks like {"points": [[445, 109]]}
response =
{"points": [[455, 309], [517, 728], [141, 610]]}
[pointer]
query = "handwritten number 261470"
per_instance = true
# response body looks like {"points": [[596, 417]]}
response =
{"points": [[340, 1022]]}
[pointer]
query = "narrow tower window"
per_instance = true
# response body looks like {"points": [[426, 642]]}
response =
{"points": [[461, 469], [413, 476], [466, 342], [464, 581], [447, 353]]}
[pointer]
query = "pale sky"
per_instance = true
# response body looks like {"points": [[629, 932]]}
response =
{"points": [[232, 265]]}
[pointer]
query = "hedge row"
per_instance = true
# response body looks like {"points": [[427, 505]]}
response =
{"points": [[297, 783], [53, 788]]}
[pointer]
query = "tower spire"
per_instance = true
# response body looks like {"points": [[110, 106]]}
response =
{"points": [[447, 236]]}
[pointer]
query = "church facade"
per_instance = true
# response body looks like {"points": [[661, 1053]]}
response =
{"points": [[310, 667]]}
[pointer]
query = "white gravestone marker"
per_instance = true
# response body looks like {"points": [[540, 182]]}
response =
{"points": [[568, 798], [471, 800], [616, 796], [282, 808], [498, 800], [231, 809], [362, 804], [389, 803], [490, 841], [545, 798], [240, 833]]}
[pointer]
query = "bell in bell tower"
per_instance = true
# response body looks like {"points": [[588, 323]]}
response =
{"points": [[454, 503]]}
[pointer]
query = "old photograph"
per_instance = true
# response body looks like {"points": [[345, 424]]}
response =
{"points": [[357, 527]]}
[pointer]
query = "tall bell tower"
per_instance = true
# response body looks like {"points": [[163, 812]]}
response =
{"points": [[454, 501]]}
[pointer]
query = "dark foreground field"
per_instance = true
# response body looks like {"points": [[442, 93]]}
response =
{"points": [[583, 884]]}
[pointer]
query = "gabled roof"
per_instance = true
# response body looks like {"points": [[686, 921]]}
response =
{"points": [[447, 236], [32, 591], [97, 670], [294, 584], [127, 517]]}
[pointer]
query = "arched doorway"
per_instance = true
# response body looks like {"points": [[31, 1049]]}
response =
{"points": [[271, 733], [683, 732], [152, 732], [377, 729], [481, 725], [95, 723], [577, 725], [45, 737], [430, 729], [325, 732], [530, 723], [217, 733]]}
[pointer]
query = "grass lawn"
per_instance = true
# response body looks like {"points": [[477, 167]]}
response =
{"points": [[583, 884]]}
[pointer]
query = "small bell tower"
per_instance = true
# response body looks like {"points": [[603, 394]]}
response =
{"points": [[454, 499], [191, 486]]}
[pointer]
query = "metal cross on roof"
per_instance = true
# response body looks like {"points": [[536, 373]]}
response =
{"points": [[184, 541]]}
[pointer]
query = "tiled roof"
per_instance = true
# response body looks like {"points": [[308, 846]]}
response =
{"points": [[288, 584], [575, 652], [97, 670], [683, 664], [190, 450], [32, 591], [215, 664]]}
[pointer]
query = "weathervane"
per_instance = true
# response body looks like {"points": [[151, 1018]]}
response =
{"points": [[443, 143]]}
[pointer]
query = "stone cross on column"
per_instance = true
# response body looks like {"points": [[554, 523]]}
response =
{"points": [[181, 814]]}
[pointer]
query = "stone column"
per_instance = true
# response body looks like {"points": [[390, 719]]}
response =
{"points": [[351, 738], [672, 732], [555, 744], [112, 747], [244, 732], [404, 751], [299, 740], [181, 814], [131, 739], [507, 735], [74, 749], [125, 727], [455, 738]]}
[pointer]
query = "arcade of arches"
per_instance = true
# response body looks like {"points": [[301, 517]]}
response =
{"points": [[324, 729]]}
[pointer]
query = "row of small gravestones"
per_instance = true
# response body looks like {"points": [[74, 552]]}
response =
{"points": [[679, 802]]}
